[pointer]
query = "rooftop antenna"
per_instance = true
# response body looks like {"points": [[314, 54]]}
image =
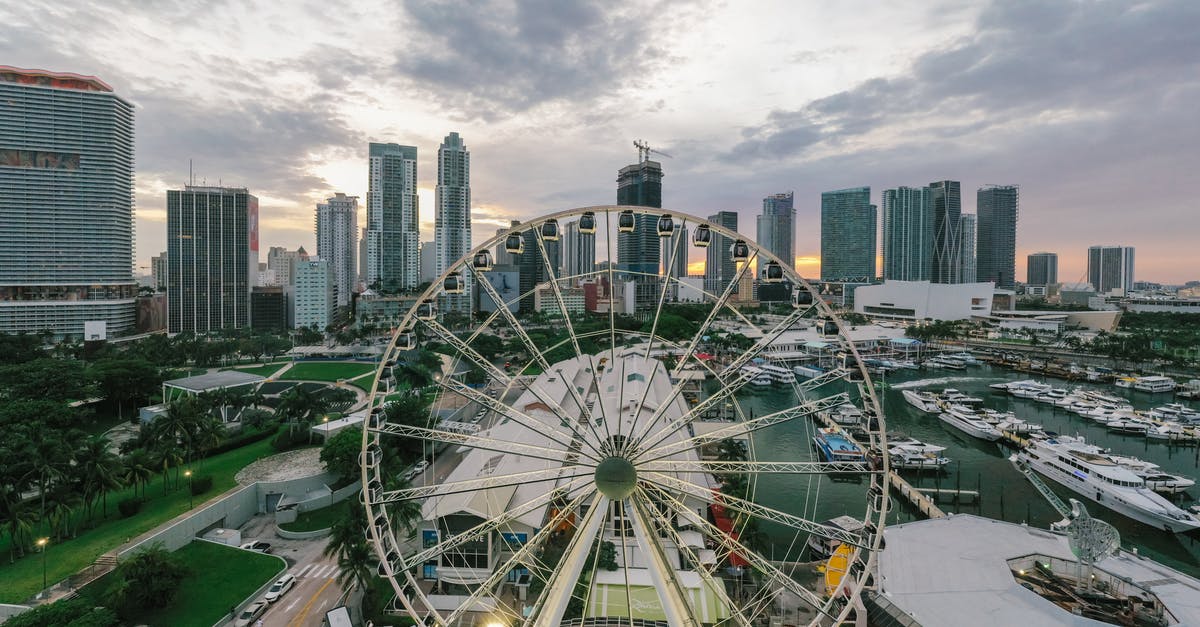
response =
{"points": [[644, 151]]}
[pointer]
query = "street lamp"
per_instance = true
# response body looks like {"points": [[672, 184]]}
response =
{"points": [[42, 542], [191, 494]]}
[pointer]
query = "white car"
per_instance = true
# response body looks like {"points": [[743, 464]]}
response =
{"points": [[252, 611], [416, 470], [277, 590]]}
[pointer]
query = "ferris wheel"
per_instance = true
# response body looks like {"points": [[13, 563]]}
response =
{"points": [[608, 440]]}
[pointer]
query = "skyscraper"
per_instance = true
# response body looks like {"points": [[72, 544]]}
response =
{"points": [[503, 257], [965, 264], [429, 269], [578, 250], [946, 198], [212, 258], [1042, 268], [719, 267], [848, 224], [1110, 269], [337, 243], [640, 185], [996, 251], [393, 215], [452, 219], [776, 228], [907, 234], [66, 204], [534, 268], [158, 270]]}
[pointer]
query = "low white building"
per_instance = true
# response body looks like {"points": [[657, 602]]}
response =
{"points": [[691, 290], [920, 300], [544, 300]]}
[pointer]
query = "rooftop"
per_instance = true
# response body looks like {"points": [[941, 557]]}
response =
{"points": [[214, 380], [46, 78]]}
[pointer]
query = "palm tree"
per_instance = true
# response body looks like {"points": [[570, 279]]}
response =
{"points": [[59, 504], [405, 514], [19, 518], [99, 470], [207, 434], [49, 457], [346, 532], [354, 565], [139, 470]]}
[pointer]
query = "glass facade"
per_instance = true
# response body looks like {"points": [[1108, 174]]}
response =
{"points": [[640, 185], [776, 227], [996, 234], [1042, 269], [719, 267], [848, 225], [946, 198], [66, 204], [212, 250], [907, 234], [452, 217], [393, 238]]}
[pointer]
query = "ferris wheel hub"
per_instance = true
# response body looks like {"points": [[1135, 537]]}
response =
{"points": [[616, 477]]}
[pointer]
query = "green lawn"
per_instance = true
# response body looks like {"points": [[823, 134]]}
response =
{"points": [[365, 382], [327, 370], [316, 519], [262, 370], [21, 579], [221, 577]]}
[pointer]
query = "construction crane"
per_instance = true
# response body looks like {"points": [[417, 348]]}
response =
{"points": [[644, 151]]}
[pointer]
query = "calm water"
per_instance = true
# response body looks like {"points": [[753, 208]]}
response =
{"points": [[1005, 493]]}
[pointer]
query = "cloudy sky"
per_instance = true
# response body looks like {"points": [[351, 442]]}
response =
{"points": [[1090, 106]]}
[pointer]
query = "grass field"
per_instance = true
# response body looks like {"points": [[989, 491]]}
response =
{"points": [[21, 579], [316, 519], [364, 383], [262, 370], [220, 577], [326, 370]]}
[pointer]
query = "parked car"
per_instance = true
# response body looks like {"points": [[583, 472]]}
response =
{"points": [[416, 470], [252, 612], [260, 547], [280, 587]]}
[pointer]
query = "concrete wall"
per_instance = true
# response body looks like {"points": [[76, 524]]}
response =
{"points": [[8, 611]]}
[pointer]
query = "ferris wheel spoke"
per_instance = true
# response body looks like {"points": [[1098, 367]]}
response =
{"points": [[541, 427], [714, 312], [753, 558], [484, 483], [658, 450], [567, 457], [717, 467], [539, 355], [763, 512], [671, 592], [519, 556], [717, 586], [550, 606]]}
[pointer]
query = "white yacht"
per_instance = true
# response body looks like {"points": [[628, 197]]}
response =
{"points": [[1052, 396], [1174, 411], [779, 374], [1135, 426], [1019, 427], [964, 358], [917, 458], [1154, 476], [924, 401], [1029, 390], [1087, 470], [951, 395], [821, 547], [963, 419], [1010, 386], [758, 378], [1154, 384], [1172, 432], [846, 415]]}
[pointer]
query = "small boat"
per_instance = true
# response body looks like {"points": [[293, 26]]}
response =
{"points": [[821, 547], [834, 446], [1172, 432], [923, 401], [1019, 427], [906, 458], [964, 420]]}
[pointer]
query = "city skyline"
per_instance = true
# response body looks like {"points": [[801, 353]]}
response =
{"points": [[990, 92]]}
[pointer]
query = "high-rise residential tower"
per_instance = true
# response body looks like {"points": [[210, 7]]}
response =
{"points": [[158, 270], [719, 267], [362, 256], [66, 204], [996, 234], [578, 250], [337, 243], [503, 257], [848, 224], [907, 218], [1042, 269], [776, 227], [452, 219], [640, 185], [946, 199], [311, 294], [535, 268], [1110, 269], [393, 215], [212, 258], [965, 264]]}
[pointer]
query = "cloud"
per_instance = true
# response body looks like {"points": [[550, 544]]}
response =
{"points": [[503, 57]]}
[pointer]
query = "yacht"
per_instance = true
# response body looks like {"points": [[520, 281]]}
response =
{"points": [[1156, 479], [1135, 426], [964, 357], [835, 446], [1099, 397], [821, 547], [1010, 386], [1019, 427], [758, 378], [963, 419], [1174, 411], [924, 401], [1030, 390], [945, 362], [895, 439], [1053, 395], [916, 458], [1087, 470], [1124, 382], [846, 415], [1172, 432], [951, 395], [778, 374], [1154, 384]]}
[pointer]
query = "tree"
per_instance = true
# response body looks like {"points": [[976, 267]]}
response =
{"points": [[138, 469], [341, 452], [731, 450], [99, 470], [349, 529], [124, 381], [19, 520], [149, 579]]}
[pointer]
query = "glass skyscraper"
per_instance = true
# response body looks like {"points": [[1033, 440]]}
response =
{"points": [[996, 235], [1042, 268], [776, 227], [212, 257], [640, 185], [719, 267], [1110, 269], [907, 234], [66, 204], [848, 224], [946, 198], [452, 217], [393, 216]]}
